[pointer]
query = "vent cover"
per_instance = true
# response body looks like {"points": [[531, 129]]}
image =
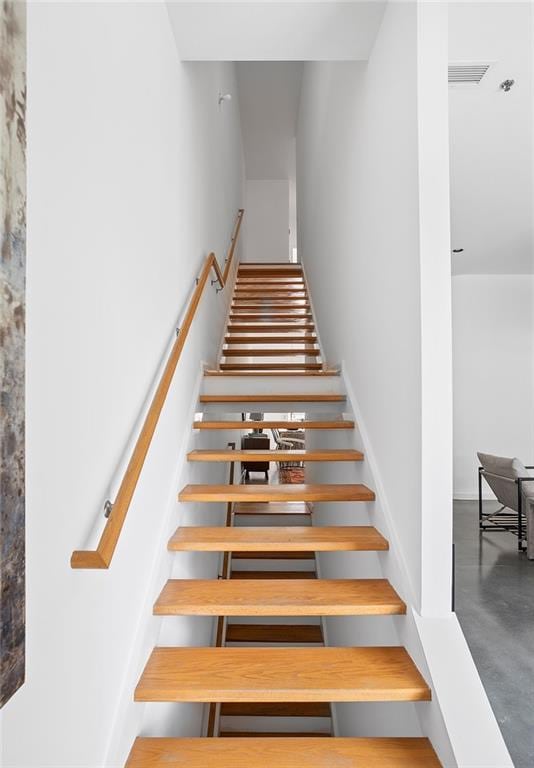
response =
{"points": [[467, 73]]}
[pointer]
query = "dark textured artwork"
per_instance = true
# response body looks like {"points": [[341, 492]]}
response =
{"points": [[12, 310]]}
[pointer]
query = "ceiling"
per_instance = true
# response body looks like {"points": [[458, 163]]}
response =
{"points": [[269, 95], [250, 30], [492, 203]]}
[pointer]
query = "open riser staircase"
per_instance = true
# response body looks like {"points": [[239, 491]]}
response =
{"points": [[270, 681]]}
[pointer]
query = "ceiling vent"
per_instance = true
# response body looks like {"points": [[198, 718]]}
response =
{"points": [[467, 73]]}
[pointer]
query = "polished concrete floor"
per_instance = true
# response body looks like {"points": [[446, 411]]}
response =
{"points": [[495, 606]]}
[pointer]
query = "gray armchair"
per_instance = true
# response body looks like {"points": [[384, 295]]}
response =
{"points": [[513, 486], [293, 440]]}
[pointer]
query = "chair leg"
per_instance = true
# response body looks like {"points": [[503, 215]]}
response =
{"points": [[480, 498]]}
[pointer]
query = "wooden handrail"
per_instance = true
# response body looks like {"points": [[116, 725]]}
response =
{"points": [[101, 556]]}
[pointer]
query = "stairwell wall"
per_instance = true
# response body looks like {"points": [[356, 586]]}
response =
{"points": [[372, 178], [134, 176], [358, 239], [493, 332]]}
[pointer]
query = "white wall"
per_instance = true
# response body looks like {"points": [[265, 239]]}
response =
{"points": [[372, 173], [134, 176], [360, 170], [267, 221], [492, 150], [493, 335], [293, 238], [256, 30]]}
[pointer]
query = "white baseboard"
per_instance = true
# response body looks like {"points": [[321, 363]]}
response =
{"points": [[470, 496]]}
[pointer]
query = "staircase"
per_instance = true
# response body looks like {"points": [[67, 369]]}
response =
{"points": [[270, 679]]}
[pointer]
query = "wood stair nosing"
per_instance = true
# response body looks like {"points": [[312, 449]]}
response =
{"points": [[263, 289], [225, 454], [273, 734], [297, 278], [239, 372], [234, 340], [269, 328], [283, 752], [269, 291], [272, 555], [282, 492], [268, 308], [253, 286], [270, 273], [274, 633], [270, 294], [271, 367], [270, 575], [272, 314], [275, 594], [267, 305], [292, 299], [281, 674], [273, 352], [269, 397], [288, 426], [270, 268], [285, 306], [276, 709], [270, 288], [268, 317], [307, 539], [264, 319]]}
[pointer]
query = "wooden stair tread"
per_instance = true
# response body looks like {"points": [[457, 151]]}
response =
{"points": [[276, 709], [273, 734], [279, 272], [272, 327], [270, 340], [263, 308], [225, 454], [293, 303], [294, 283], [271, 595], [263, 367], [269, 268], [283, 314], [311, 538], [274, 633], [259, 282], [269, 397], [269, 316], [271, 352], [273, 287], [281, 674], [270, 295], [267, 289], [278, 298], [283, 752], [275, 424], [234, 373], [287, 492], [283, 575]]}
